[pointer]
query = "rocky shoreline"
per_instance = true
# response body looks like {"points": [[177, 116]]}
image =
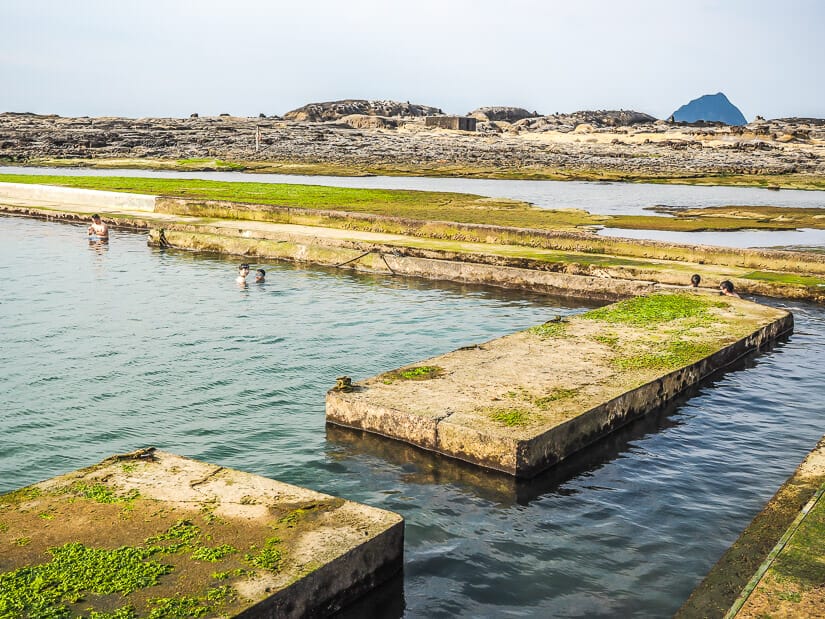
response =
{"points": [[621, 142]]}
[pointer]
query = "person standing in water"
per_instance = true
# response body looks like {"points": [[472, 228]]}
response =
{"points": [[243, 271], [98, 229]]}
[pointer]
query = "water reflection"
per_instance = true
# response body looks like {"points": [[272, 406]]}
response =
{"points": [[100, 246], [385, 601]]}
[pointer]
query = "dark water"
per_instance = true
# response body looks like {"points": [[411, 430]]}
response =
{"points": [[106, 349]]}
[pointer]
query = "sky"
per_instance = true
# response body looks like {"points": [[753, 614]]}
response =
{"points": [[245, 57]]}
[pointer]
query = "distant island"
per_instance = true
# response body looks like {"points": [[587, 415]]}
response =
{"points": [[710, 108]]}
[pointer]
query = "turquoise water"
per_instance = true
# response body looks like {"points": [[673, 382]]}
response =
{"points": [[109, 348]]}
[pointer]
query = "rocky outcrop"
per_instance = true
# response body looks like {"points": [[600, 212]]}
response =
{"points": [[333, 110], [363, 121], [710, 108], [507, 114], [595, 118], [649, 148]]}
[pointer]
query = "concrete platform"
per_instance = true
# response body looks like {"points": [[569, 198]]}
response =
{"points": [[524, 402], [155, 534]]}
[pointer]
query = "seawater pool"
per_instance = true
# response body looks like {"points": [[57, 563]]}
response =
{"points": [[107, 349]]}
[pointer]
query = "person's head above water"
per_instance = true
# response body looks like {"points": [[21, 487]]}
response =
{"points": [[260, 275], [726, 286], [244, 268], [694, 280], [96, 218]]}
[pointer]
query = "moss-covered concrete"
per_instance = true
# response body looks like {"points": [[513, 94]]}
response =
{"points": [[585, 265], [777, 566], [524, 402], [151, 534]]}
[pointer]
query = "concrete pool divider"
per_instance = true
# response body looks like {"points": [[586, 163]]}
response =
{"points": [[777, 565], [169, 536], [70, 197], [312, 246], [557, 262], [524, 402]]}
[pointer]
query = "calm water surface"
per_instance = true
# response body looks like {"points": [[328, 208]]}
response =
{"points": [[104, 350]]}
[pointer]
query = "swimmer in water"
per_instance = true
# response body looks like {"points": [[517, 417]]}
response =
{"points": [[243, 271], [98, 229], [260, 276], [726, 289], [694, 280]]}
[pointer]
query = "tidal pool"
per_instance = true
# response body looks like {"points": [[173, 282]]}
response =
{"points": [[106, 349]]}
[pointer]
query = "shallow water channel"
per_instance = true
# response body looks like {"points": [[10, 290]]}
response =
{"points": [[107, 349]]}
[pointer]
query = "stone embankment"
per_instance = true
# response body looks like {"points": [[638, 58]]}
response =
{"points": [[621, 142]]}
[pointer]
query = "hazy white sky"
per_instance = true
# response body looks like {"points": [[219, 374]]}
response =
{"points": [[174, 57]]}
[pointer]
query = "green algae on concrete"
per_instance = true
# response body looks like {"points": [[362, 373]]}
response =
{"points": [[776, 568], [522, 403], [551, 262], [151, 534]]}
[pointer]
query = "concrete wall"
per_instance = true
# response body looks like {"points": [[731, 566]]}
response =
{"points": [[391, 260], [458, 123], [94, 199]]}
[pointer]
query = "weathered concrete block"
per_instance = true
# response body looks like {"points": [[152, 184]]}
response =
{"points": [[457, 123], [82, 199], [524, 402], [153, 533]]}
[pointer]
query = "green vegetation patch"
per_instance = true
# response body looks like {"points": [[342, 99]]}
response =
{"points": [[559, 393], [611, 340], [213, 555], [676, 354], [802, 561], [653, 309], [236, 573], [20, 496], [102, 493], [269, 557], [419, 372], [785, 278], [186, 606], [125, 612], [550, 329], [75, 571], [426, 205], [180, 536], [511, 417]]}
